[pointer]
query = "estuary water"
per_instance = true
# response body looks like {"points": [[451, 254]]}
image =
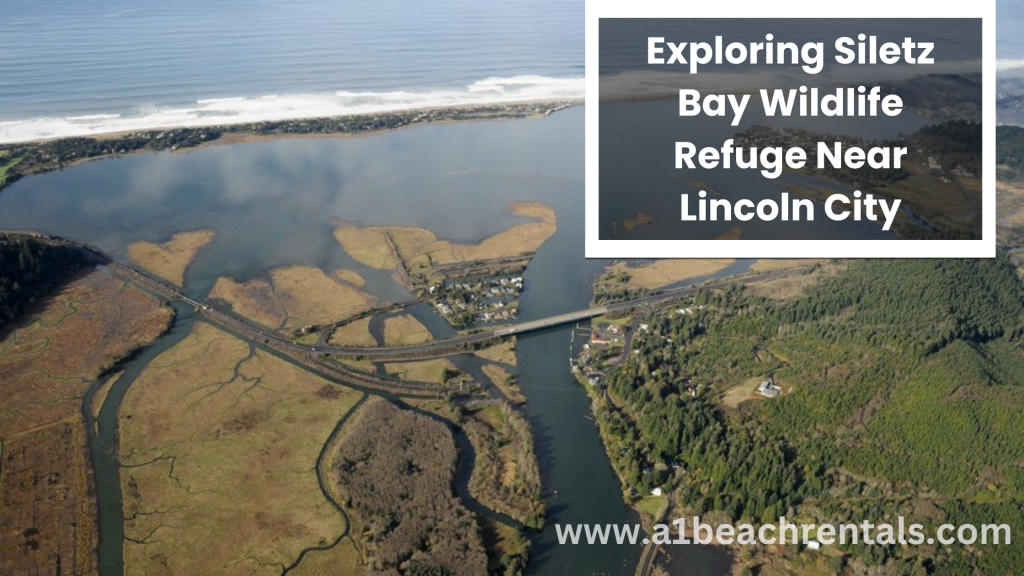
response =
{"points": [[276, 203], [72, 67]]}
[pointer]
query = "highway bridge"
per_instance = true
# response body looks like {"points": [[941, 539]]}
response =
{"points": [[455, 345], [448, 346]]}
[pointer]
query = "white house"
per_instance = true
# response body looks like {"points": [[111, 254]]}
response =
{"points": [[768, 389]]}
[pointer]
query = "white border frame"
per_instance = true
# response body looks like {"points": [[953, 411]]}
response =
{"points": [[984, 248]]}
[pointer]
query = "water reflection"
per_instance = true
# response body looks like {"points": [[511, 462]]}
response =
{"points": [[273, 204]]}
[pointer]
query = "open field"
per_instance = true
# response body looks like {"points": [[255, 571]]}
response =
{"points": [[739, 393], [652, 506], [504, 353], [255, 299], [312, 297], [47, 365], [398, 487], [790, 286], [1009, 212], [368, 246], [6, 164], [405, 330], [355, 333], [219, 444], [659, 273], [170, 259], [346, 554], [294, 297], [431, 371], [47, 505], [771, 265], [331, 562], [421, 249], [47, 502]]}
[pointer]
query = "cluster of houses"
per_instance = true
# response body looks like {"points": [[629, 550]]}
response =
{"points": [[487, 300], [501, 312]]}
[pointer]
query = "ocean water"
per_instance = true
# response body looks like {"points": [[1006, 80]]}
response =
{"points": [[78, 67]]}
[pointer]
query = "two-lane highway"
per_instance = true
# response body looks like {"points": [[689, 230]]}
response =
{"points": [[448, 346], [455, 345]]}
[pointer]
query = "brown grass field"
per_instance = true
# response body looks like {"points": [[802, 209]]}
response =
{"points": [[661, 273], [790, 286], [422, 249], [746, 390], [344, 558], [405, 330], [429, 371], [504, 353], [1009, 211], [353, 334], [170, 259], [368, 246], [219, 444], [294, 297], [772, 265], [47, 502], [313, 297], [255, 299]]}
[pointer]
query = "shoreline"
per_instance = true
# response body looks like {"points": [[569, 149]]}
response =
{"points": [[41, 156]]}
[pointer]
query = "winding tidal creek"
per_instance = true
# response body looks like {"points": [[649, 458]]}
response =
{"points": [[276, 203]]}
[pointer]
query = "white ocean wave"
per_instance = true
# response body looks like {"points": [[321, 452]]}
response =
{"points": [[246, 109], [1008, 64], [87, 117]]}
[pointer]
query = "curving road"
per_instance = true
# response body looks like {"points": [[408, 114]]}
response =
{"points": [[448, 346]]}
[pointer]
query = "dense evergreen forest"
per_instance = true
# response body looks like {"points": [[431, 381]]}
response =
{"points": [[902, 394], [29, 270]]}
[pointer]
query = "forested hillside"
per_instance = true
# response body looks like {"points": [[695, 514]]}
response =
{"points": [[30, 269], [1010, 151], [901, 394]]}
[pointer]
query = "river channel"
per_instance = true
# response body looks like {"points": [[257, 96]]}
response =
{"points": [[276, 203]]}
